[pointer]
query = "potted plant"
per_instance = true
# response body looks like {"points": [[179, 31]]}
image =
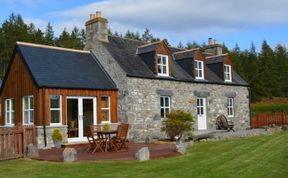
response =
{"points": [[57, 138], [106, 127]]}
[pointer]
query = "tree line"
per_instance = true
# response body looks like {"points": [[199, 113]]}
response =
{"points": [[266, 71]]}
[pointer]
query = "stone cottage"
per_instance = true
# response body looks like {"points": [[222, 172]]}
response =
{"points": [[116, 80], [154, 78]]}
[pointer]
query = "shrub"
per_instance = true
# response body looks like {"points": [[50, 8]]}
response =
{"points": [[177, 123], [56, 135], [268, 108]]}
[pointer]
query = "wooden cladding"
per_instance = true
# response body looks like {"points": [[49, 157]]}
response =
{"points": [[19, 83], [81, 93]]}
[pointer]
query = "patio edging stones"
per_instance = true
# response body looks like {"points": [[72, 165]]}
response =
{"points": [[143, 154], [69, 155], [32, 151]]}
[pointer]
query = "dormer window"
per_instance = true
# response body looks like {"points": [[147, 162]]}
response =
{"points": [[162, 64], [199, 71], [227, 73]]}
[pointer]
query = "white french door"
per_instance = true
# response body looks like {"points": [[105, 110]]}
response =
{"points": [[81, 112], [201, 113]]}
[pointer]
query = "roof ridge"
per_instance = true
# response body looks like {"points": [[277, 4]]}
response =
{"points": [[127, 38], [188, 50], [148, 44], [51, 47], [219, 55]]}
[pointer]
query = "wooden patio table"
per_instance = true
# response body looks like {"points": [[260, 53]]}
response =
{"points": [[106, 135]]}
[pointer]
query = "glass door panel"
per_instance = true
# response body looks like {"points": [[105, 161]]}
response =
{"points": [[72, 118], [87, 115]]}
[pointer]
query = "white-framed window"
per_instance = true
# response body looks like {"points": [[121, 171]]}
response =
{"points": [[227, 73], [28, 109], [162, 65], [105, 109], [230, 107], [55, 110], [200, 106], [165, 105], [9, 111], [199, 70]]}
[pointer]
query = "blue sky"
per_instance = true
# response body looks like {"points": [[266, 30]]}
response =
{"points": [[228, 21]]}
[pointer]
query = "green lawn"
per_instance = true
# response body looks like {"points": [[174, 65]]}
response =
{"points": [[263, 156]]}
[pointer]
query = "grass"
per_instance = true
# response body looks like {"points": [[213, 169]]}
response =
{"points": [[262, 156]]}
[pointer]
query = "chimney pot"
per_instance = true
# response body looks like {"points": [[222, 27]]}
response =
{"points": [[210, 42], [92, 16], [98, 14]]}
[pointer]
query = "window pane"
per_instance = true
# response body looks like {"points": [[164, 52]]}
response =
{"points": [[8, 117], [12, 104], [198, 110], [55, 116], [12, 117], [164, 60], [202, 111], [162, 101], [162, 113], [167, 110], [166, 101], [32, 116], [54, 101], [26, 102], [31, 103], [104, 102], [159, 59], [200, 73], [8, 105], [164, 70], [159, 69], [26, 117], [104, 115]]}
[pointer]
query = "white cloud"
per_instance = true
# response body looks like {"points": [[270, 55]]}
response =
{"points": [[181, 18], [39, 23]]}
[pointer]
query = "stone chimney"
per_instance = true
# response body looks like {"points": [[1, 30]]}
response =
{"points": [[213, 47], [96, 28]]}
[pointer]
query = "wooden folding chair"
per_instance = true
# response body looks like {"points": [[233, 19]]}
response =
{"points": [[95, 143], [223, 124], [121, 137]]}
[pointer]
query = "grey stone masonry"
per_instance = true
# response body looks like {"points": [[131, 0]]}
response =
{"points": [[49, 131], [144, 104], [139, 99]]}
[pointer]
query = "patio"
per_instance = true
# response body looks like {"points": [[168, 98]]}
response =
{"points": [[156, 151]]}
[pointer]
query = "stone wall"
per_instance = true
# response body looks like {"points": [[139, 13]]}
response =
{"points": [[143, 104], [116, 73], [139, 99], [49, 131]]}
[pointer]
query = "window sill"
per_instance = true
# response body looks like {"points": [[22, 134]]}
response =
{"points": [[105, 122], [9, 125], [55, 124]]}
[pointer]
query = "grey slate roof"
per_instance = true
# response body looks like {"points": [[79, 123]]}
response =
{"points": [[138, 63], [57, 68], [184, 55], [147, 48], [124, 52], [213, 60]]}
